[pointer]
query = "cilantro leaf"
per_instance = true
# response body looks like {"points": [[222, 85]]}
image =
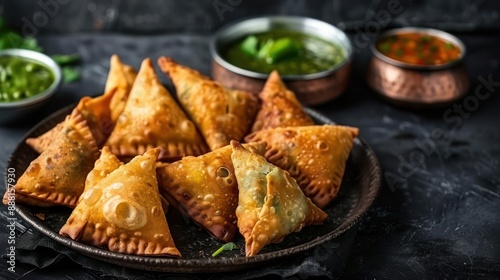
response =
{"points": [[226, 247], [70, 74]]}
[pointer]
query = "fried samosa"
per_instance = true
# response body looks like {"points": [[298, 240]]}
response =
{"points": [[121, 77], [153, 119], [40, 143], [106, 164], [221, 114], [98, 115], [95, 111], [314, 155], [205, 188], [280, 107], [57, 176], [123, 212], [271, 205]]}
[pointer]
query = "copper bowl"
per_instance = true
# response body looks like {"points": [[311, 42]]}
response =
{"points": [[418, 86], [310, 89]]}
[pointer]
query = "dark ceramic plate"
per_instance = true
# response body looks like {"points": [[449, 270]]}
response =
{"points": [[360, 186]]}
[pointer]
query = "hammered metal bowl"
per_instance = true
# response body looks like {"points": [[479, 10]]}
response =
{"points": [[418, 86], [311, 89]]}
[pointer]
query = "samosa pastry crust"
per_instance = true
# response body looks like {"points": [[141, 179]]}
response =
{"points": [[205, 188], [58, 175], [95, 111], [40, 143], [280, 107], [103, 166], [121, 77], [24, 199], [221, 114], [153, 119], [123, 212], [271, 205], [106, 164], [314, 155]]}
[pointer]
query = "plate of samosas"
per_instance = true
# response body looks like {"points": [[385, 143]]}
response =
{"points": [[139, 178]]}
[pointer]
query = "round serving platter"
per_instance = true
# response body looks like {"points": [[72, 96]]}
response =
{"points": [[360, 186]]}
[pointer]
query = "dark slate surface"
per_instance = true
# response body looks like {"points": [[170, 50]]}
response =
{"points": [[205, 16], [437, 217]]}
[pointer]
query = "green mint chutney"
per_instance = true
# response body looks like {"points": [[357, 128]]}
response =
{"points": [[289, 52], [21, 78]]}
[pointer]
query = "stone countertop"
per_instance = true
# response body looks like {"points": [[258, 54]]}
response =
{"points": [[437, 215]]}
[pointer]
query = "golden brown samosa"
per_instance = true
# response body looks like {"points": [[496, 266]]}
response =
{"points": [[221, 114], [314, 155], [106, 164], [98, 116], [40, 143], [123, 212], [101, 111], [280, 107], [94, 110], [121, 77], [57, 176], [153, 119], [271, 205], [205, 188], [103, 166]]}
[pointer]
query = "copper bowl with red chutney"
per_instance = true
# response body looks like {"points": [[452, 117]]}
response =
{"points": [[418, 67]]}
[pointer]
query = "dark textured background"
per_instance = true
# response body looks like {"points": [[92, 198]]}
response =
{"points": [[438, 220], [201, 16]]}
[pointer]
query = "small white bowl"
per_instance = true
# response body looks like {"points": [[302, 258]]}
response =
{"points": [[15, 111]]}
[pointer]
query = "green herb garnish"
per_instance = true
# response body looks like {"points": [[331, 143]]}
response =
{"points": [[226, 247], [271, 51], [250, 45], [289, 52], [265, 48], [70, 74], [65, 59], [11, 40], [399, 52], [282, 49], [385, 47], [425, 39]]}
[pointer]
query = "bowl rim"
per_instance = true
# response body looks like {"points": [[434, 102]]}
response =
{"points": [[421, 30], [341, 36], [43, 59]]}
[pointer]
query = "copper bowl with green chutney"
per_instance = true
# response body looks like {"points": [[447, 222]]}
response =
{"points": [[312, 56], [27, 81]]}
